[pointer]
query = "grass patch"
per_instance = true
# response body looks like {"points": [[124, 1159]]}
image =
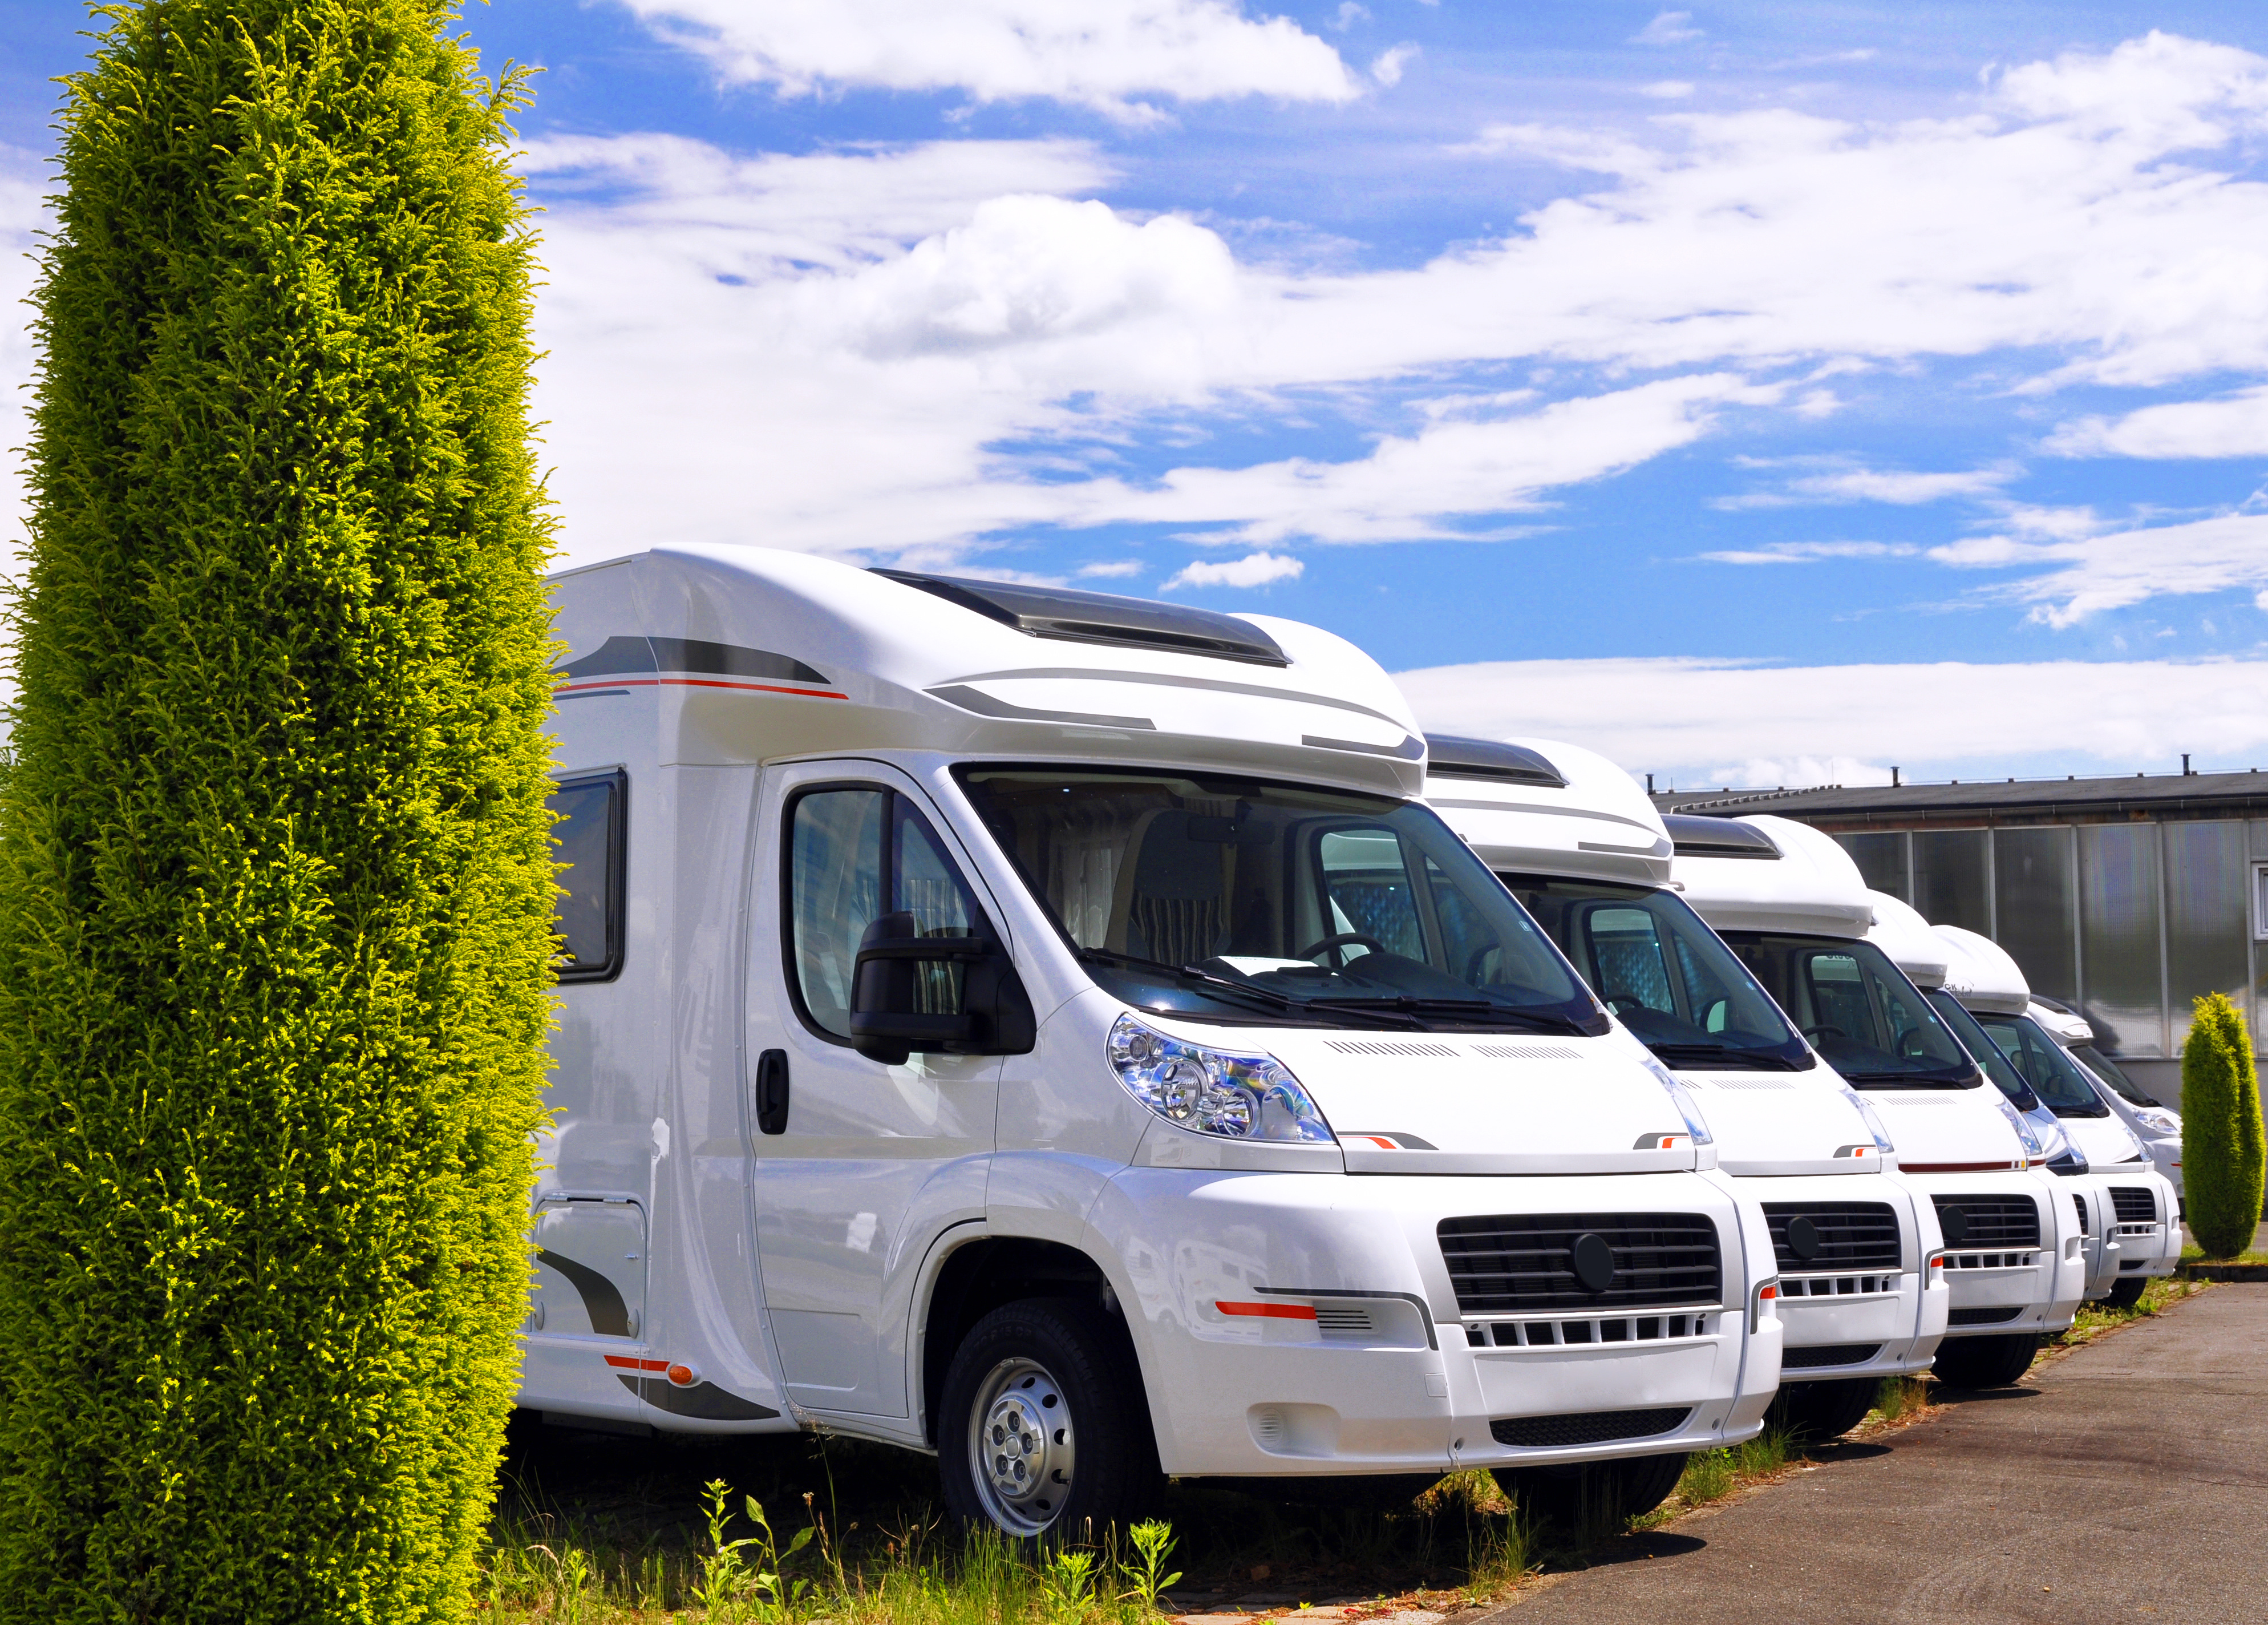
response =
{"points": [[2094, 1319], [1900, 1397], [1712, 1474], [2194, 1254]]}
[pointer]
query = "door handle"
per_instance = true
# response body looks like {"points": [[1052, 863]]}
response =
{"points": [[772, 1092]]}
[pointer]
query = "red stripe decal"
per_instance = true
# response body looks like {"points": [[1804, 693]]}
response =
{"points": [[1906, 1167], [623, 1360], [1269, 1311], [693, 683], [631, 1363]]}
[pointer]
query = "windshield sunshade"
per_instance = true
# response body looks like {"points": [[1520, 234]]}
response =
{"points": [[1865, 1019], [1244, 900], [2052, 1074], [1103, 617], [1653, 963]]}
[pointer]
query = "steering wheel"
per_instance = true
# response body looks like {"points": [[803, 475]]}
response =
{"points": [[1825, 1032], [1616, 1000], [1332, 944]]}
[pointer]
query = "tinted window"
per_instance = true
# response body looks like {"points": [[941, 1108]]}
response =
{"points": [[1984, 1050], [1867, 1020], [1242, 899], [2051, 1074], [1669, 978], [849, 850], [2106, 1071], [590, 827]]}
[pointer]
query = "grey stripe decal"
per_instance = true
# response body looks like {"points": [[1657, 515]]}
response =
{"points": [[602, 1300], [618, 656], [988, 705], [1548, 812], [705, 1400], [1408, 750], [1217, 685]]}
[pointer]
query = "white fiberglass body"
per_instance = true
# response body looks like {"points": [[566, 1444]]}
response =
{"points": [[2014, 1257], [1585, 851], [2158, 1127], [1125, 814]]}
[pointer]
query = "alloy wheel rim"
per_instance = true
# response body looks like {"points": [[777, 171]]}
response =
{"points": [[1022, 1446]]}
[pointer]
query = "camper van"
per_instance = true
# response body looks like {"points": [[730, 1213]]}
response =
{"points": [[1856, 1245], [2158, 1127], [1977, 990], [1047, 1030], [1796, 911]]}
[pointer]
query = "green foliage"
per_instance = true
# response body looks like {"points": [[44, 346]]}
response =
{"points": [[275, 875], [2223, 1154], [1145, 1578], [742, 1579]]}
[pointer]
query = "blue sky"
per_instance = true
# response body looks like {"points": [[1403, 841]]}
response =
{"points": [[1762, 394]]}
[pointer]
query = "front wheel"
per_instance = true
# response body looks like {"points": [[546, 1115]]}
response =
{"points": [[1597, 1496], [1984, 1362], [1044, 1433], [2126, 1291], [1824, 1410]]}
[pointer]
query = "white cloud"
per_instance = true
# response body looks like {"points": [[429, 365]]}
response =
{"points": [[1895, 487], [1810, 553], [1116, 569], [1349, 13], [1387, 68], [1798, 773], [1668, 28], [1100, 54], [2231, 425], [1692, 717], [1253, 570], [1668, 89], [2086, 574]]}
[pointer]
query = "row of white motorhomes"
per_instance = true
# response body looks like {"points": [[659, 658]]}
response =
{"points": [[1053, 1030]]}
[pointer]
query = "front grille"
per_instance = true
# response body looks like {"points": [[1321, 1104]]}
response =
{"points": [[1510, 1263], [2079, 1202], [1851, 1236], [2135, 1203], [1828, 1353], [1588, 1427], [1979, 1317], [1992, 1222]]}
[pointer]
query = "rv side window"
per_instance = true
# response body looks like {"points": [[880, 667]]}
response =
{"points": [[850, 848], [590, 824]]}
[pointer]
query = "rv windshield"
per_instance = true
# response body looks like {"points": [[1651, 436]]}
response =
{"points": [[2044, 1066], [1867, 1021], [2106, 1071], [1669, 978], [1983, 1050], [1234, 899]]}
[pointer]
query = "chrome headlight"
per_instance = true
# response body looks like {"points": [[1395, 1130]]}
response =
{"points": [[1688, 1108], [1213, 1091], [2027, 1135], [2161, 1123], [1867, 1114]]}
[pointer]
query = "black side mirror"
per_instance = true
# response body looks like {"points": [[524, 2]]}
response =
{"points": [[906, 997]]}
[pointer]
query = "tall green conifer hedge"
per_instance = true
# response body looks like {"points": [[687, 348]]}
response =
{"points": [[2223, 1157], [275, 879]]}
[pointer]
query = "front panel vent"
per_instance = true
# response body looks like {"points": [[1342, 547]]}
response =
{"points": [[1821, 1236], [1514, 1263], [1588, 1427]]}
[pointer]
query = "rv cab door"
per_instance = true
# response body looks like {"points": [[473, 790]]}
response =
{"points": [[867, 1163]]}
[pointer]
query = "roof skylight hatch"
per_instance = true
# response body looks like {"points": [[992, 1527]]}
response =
{"points": [[1716, 838], [1103, 617], [1453, 757]]}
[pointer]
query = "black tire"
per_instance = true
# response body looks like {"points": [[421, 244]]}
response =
{"points": [[2126, 1291], [1597, 1497], [1826, 1410], [1984, 1362], [1094, 1463]]}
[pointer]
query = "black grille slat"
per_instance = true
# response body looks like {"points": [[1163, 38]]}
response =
{"points": [[1995, 1223], [2135, 1203], [2079, 1202], [1517, 1262], [1828, 1353], [1588, 1427], [1853, 1236], [1981, 1316]]}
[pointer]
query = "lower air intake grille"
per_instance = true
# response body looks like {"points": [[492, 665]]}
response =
{"points": [[2135, 1204], [1588, 1427], [1829, 1353], [1974, 1317], [1517, 1262], [1989, 1223], [1839, 1236]]}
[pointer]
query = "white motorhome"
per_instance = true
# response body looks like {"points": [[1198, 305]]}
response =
{"points": [[1046, 1029], [1800, 918], [2158, 1127], [1980, 992], [1579, 844]]}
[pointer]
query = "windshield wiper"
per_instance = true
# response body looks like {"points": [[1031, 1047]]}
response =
{"points": [[1763, 1061], [1264, 998], [1465, 1010]]}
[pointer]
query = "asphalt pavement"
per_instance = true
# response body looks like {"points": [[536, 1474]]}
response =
{"points": [[2123, 1480]]}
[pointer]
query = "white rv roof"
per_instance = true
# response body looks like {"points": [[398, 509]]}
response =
{"points": [[1540, 806], [751, 653], [1902, 934], [1981, 974], [2061, 1024], [1810, 886]]}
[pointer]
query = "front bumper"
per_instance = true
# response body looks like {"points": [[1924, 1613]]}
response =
{"points": [[1993, 1291], [1364, 1360], [1889, 1321], [2123, 1247]]}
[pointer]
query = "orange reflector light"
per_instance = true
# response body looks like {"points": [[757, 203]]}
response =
{"points": [[1269, 1311], [682, 1376], [1769, 1292]]}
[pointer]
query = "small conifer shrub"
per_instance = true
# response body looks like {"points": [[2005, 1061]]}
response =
{"points": [[275, 879], [2223, 1154]]}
